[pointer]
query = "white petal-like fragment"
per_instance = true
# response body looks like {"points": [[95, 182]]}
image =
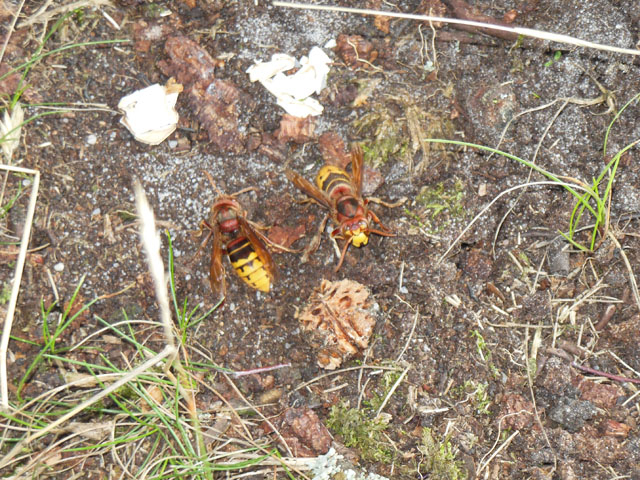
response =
{"points": [[150, 113], [293, 92], [300, 108], [280, 62], [320, 62], [10, 128]]}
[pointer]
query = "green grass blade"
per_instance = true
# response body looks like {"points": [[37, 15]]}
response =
{"points": [[529, 164]]}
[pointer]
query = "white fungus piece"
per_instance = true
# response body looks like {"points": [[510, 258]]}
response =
{"points": [[150, 113], [293, 92]]}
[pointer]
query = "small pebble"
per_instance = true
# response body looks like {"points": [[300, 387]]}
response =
{"points": [[58, 267], [173, 143], [91, 139]]}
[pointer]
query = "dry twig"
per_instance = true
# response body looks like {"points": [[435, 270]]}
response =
{"points": [[24, 244], [527, 32]]}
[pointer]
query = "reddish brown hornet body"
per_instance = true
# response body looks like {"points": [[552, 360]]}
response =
{"points": [[233, 235], [341, 193]]}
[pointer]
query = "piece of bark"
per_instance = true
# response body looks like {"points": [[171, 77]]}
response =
{"points": [[215, 102]]}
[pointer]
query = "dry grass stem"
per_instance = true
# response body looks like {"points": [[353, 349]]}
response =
{"points": [[392, 390], [336, 372], [527, 358], [485, 463], [260, 414], [413, 329], [632, 277], [81, 107], [43, 16], [490, 204], [151, 241], [527, 32], [10, 131], [168, 350], [15, 288], [10, 30], [565, 311], [624, 364], [533, 161]]}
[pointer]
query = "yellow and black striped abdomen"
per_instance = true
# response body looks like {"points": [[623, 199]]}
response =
{"points": [[248, 264], [331, 177]]}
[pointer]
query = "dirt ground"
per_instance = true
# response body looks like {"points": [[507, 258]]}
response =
{"points": [[488, 346]]}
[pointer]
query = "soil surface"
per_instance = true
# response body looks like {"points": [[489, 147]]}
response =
{"points": [[486, 340]]}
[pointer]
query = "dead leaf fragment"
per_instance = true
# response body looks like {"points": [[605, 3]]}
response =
{"points": [[93, 431], [434, 8], [189, 62], [612, 428], [296, 129], [366, 88], [355, 50], [600, 394], [304, 432], [293, 92], [510, 16], [150, 114], [591, 447], [146, 32], [333, 150], [340, 321], [216, 108], [465, 11], [516, 411], [382, 23], [286, 236], [155, 394]]}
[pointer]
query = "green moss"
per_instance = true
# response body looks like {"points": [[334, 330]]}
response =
{"points": [[439, 200], [485, 353], [386, 134], [436, 206], [439, 458], [476, 393], [360, 430], [397, 126], [78, 16], [5, 295]]}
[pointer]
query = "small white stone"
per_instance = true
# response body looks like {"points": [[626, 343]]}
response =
{"points": [[91, 139], [58, 267]]}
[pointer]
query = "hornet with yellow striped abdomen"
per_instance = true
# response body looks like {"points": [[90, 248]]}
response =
{"points": [[234, 235], [340, 191]]}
